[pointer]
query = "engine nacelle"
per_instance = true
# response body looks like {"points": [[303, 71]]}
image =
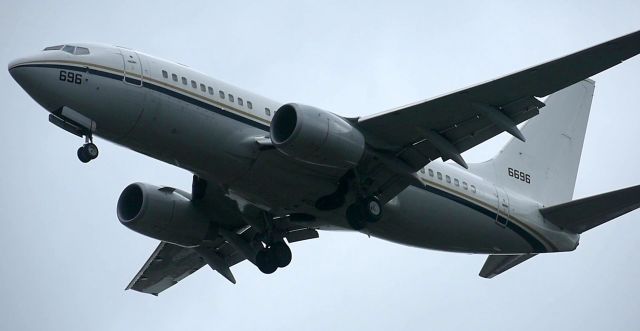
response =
{"points": [[163, 214], [316, 136]]}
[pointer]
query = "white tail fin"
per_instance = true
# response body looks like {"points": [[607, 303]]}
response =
{"points": [[545, 167]]}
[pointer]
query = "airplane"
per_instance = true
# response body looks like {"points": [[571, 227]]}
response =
{"points": [[267, 174]]}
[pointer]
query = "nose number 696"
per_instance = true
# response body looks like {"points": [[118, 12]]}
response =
{"points": [[71, 77]]}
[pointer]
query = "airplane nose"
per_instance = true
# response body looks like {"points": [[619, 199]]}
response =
{"points": [[19, 73], [30, 79], [13, 65]]}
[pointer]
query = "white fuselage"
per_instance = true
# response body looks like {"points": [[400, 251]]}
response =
{"points": [[180, 116]]}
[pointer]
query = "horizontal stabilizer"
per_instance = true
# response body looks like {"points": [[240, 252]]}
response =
{"points": [[584, 214], [497, 264]]}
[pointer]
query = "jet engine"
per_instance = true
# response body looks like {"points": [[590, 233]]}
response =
{"points": [[163, 213], [316, 136]]}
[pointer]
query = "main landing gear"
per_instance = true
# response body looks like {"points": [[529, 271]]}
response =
{"points": [[272, 257], [364, 211], [275, 253], [267, 246], [88, 151]]}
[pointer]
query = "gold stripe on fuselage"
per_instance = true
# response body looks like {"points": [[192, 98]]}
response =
{"points": [[483, 204], [157, 82]]}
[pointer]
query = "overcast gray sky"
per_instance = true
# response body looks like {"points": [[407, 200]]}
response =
{"points": [[66, 259]]}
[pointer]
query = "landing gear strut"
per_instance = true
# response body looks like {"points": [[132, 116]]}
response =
{"points": [[88, 151], [198, 188]]}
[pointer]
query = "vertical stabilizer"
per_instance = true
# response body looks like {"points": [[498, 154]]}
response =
{"points": [[545, 167]]}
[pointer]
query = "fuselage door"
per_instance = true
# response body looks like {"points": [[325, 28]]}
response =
{"points": [[502, 217], [132, 67]]}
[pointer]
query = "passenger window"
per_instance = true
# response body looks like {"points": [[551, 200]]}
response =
{"points": [[439, 175], [184, 81], [456, 182], [448, 179], [69, 49], [221, 93], [210, 90], [473, 189], [240, 102], [249, 105], [194, 84], [430, 173], [82, 51], [231, 98], [203, 88], [464, 185], [165, 74], [267, 111], [174, 77]]}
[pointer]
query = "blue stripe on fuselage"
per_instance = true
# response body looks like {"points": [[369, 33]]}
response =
{"points": [[537, 246], [159, 89]]}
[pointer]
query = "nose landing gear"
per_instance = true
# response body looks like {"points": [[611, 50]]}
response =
{"points": [[88, 151]]}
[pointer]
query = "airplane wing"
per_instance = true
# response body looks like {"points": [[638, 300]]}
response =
{"points": [[448, 125], [497, 264], [170, 263]]}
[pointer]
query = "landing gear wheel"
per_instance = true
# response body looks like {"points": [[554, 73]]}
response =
{"points": [[365, 211], [83, 156], [371, 209], [87, 152], [355, 217], [281, 254], [266, 261], [91, 150]]}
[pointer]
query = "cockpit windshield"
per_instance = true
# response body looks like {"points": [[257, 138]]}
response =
{"points": [[69, 49], [81, 51], [76, 50], [53, 48]]}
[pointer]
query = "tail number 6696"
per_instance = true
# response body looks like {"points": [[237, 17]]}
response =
{"points": [[517, 174]]}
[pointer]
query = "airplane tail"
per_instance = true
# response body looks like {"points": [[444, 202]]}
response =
{"points": [[545, 167]]}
